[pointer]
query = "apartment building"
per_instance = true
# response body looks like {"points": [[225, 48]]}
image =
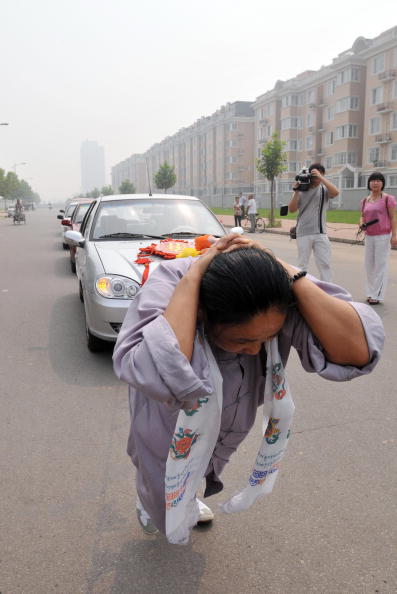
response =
{"points": [[343, 115], [213, 158], [132, 169]]}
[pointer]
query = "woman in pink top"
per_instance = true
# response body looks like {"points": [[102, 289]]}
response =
{"points": [[379, 236]]}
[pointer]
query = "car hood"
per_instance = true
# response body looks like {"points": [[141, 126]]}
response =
{"points": [[118, 257]]}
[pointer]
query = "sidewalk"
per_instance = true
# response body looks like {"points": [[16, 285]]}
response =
{"points": [[342, 232]]}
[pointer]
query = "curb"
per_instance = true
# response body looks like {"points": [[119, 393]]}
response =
{"points": [[337, 239]]}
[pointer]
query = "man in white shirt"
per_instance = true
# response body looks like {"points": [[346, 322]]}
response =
{"points": [[251, 212]]}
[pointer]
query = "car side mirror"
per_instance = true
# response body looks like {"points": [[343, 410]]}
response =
{"points": [[59, 216], [75, 238]]}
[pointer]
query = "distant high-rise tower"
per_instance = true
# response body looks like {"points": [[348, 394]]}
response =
{"points": [[92, 159]]}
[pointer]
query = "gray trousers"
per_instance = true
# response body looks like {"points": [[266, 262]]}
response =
{"points": [[252, 218], [320, 245]]}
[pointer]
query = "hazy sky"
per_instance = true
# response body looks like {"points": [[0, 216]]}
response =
{"points": [[128, 73]]}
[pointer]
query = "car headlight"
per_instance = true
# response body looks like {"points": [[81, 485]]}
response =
{"points": [[116, 287]]}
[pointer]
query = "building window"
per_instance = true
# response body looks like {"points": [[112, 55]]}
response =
{"points": [[309, 119], [309, 143], [395, 89], [311, 96], [394, 121], [373, 154], [347, 103], [343, 158], [378, 64], [266, 111], [346, 131], [328, 162], [233, 125], [292, 166], [392, 180], [329, 138], [348, 182], [377, 95], [374, 125], [349, 75], [291, 123], [294, 145], [330, 87], [330, 113], [291, 100], [393, 152]]}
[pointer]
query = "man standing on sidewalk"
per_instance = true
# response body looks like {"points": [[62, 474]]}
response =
{"points": [[251, 212], [311, 233]]}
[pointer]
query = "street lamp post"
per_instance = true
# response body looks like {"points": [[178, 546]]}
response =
{"points": [[17, 165]]}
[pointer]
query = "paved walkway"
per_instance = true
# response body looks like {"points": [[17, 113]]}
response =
{"points": [[336, 231]]}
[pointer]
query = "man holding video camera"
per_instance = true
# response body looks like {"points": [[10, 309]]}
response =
{"points": [[310, 198]]}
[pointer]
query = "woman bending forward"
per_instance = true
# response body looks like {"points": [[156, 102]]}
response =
{"points": [[233, 300]]}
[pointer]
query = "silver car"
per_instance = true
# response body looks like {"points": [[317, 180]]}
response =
{"points": [[65, 216], [111, 234]]}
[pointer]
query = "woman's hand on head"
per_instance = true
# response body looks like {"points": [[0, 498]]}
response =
{"points": [[227, 243]]}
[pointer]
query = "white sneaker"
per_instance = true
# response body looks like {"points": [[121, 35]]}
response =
{"points": [[206, 514], [144, 519]]}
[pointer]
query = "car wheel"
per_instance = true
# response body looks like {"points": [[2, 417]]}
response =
{"points": [[81, 294], [73, 266]]}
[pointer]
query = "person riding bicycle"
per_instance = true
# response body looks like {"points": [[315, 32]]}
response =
{"points": [[18, 207]]}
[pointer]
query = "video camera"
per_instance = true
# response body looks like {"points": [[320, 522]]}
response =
{"points": [[304, 178]]}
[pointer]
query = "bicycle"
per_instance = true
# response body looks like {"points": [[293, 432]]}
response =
{"points": [[260, 224]]}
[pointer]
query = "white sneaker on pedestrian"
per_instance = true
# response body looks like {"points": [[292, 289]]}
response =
{"points": [[144, 519], [206, 514]]}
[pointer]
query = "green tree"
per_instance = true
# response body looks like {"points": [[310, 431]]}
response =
{"points": [[127, 187], [271, 163], [2, 182], [25, 192], [107, 191], [93, 194], [11, 186], [165, 177]]}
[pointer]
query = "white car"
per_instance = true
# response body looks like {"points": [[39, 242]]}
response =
{"points": [[65, 216], [111, 234]]}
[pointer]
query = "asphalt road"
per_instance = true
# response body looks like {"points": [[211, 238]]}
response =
{"points": [[67, 492]]}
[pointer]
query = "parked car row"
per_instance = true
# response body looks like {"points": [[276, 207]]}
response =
{"points": [[104, 237]]}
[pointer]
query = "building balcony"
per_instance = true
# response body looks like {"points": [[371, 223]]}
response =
{"points": [[312, 105], [387, 75], [379, 164], [384, 108], [383, 138], [263, 121]]}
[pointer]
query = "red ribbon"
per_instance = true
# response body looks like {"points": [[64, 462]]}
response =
{"points": [[146, 264]]}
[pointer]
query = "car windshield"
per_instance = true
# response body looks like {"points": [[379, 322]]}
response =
{"points": [[153, 217], [69, 211], [81, 210]]}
